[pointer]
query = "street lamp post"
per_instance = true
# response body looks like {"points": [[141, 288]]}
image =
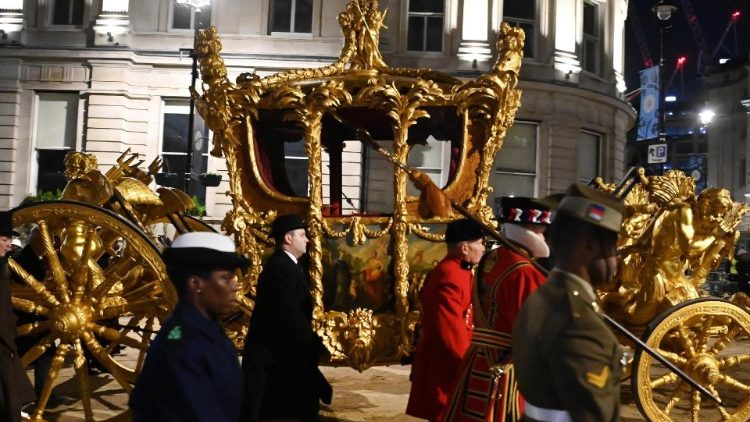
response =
{"points": [[664, 10], [196, 5]]}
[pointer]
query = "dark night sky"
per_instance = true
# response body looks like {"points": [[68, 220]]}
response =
{"points": [[713, 16]]}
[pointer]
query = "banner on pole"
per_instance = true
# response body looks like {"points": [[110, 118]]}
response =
{"points": [[648, 119]]}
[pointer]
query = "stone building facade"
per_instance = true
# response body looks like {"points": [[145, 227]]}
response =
{"points": [[728, 91], [104, 76]]}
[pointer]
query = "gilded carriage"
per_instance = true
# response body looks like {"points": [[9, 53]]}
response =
{"points": [[370, 246], [300, 142]]}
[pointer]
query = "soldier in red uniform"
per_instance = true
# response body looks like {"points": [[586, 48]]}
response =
{"points": [[447, 321], [486, 389]]}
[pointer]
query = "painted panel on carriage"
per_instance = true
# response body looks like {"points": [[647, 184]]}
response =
{"points": [[361, 276]]}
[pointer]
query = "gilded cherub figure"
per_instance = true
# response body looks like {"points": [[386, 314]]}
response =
{"points": [[671, 239]]}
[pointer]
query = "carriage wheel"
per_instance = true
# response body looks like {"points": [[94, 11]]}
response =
{"points": [[707, 339], [95, 310]]}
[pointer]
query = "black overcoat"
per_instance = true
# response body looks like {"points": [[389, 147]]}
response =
{"points": [[281, 355], [15, 387]]}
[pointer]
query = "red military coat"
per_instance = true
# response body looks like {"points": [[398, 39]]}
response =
{"points": [[445, 335], [506, 278], [501, 301]]}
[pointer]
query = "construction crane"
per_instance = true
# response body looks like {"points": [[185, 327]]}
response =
{"points": [[704, 54], [733, 18], [638, 30]]}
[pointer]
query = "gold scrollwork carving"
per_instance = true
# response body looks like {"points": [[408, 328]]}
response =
{"points": [[424, 233]]}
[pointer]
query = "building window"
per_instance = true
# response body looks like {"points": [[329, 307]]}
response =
{"points": [[522, 14], [589, 146], [591, 37], [67, 12], [55, 134], [425, 25], [514, 171], [185, 16], [174, 148], [291, 16]]}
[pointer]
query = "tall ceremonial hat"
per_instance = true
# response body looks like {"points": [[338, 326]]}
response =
{"points": [[522, 210], [286, 223], [590, 205], [6, 224], [463, 230], [204, 249]]}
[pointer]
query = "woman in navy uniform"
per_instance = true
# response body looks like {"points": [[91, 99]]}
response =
{"points": [[567, 360], [282, 350], [192, 371]]}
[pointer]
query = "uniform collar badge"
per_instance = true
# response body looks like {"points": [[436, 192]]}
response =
{"points": [[175, 334]]}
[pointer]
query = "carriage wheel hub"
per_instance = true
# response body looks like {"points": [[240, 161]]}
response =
{"points": [[705, 369], [70, 321]]}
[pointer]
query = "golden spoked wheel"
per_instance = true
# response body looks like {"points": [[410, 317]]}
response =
{"points": [[95, 307], [703, 337]]}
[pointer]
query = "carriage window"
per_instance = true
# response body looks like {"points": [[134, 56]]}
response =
{"points": [[433, 159], [355, 178], [378, 192], [350, 175], [515, 165], [295, 160]]}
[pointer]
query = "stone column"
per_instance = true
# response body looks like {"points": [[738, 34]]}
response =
{"points": [[618, 43], [12, 22], [474, 52], [112, 27], [567, 29], [118, 106], [11, 116]]}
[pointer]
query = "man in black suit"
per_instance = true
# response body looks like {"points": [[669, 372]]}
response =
{"points": [[15, 388], [280, 360]]}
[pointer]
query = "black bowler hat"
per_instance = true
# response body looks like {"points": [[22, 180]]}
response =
{"points": [[463, 230], [522, 210], [6, 224], [286, 223], [204, 249]]}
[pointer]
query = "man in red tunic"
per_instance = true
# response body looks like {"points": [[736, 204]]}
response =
{"points": [[486, 389], [447, 321]]}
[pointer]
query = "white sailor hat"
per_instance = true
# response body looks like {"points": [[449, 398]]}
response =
{"points": [[204, 249]]}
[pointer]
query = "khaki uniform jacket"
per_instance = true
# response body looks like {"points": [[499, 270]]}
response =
{"points": [[565, 356]]}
